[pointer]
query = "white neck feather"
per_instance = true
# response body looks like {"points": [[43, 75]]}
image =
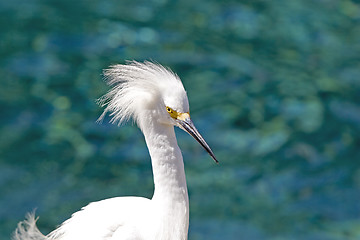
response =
{"points": [[170, 196]]}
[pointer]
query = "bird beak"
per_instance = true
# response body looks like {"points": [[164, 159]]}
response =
{"points": [[185, 123]]}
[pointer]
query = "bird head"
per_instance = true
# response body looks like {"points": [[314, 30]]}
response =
{"points": [[143, 90]]}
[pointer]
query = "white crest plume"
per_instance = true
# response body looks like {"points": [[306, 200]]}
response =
{"points": [[135, 87]]}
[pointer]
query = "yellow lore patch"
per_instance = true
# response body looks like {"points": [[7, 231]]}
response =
{"points": [[177, 115]]}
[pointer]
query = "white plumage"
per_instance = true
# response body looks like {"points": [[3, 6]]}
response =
{"points": [[155, 99]]}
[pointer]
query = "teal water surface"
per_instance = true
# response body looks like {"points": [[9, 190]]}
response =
{"points": [[274, 87]]}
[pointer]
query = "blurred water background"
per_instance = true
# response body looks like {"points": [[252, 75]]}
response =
{"points": [[274, 87]]}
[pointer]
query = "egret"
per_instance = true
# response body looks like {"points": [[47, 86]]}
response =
{"points": [[154, 97]]}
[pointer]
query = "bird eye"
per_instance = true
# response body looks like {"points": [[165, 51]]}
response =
{"points": [[168, 110]]}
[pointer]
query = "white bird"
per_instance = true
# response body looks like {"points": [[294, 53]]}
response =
{"points": [[155, 98]]}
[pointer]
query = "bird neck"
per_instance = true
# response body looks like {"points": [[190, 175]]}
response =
{"points": [[170, 193], [167, 161]]}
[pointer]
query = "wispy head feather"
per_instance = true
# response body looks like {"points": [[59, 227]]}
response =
{"points": [[136, 86]]}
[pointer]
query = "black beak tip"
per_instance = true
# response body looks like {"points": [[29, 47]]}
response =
{"points": [[213, 157], [189, 127]]}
